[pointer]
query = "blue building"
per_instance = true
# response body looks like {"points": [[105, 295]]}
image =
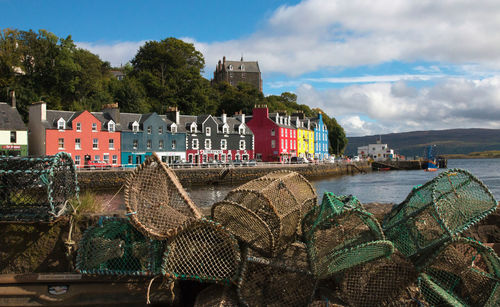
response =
{"points": [[320, 137]]}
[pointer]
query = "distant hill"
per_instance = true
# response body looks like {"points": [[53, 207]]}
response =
{"points": [[453, 141]]}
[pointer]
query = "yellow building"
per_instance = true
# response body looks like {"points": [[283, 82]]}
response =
{"points": [[305, 136]]}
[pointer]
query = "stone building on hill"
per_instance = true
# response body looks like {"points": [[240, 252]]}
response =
{"points": [[234, 72]]}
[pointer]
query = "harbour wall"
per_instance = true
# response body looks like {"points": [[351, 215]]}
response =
{"points": [[109, 179]]}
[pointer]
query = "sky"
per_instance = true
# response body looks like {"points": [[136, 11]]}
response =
{"points": [[377, 66]]}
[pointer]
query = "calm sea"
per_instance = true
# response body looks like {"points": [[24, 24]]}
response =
{"points": [[383, 187]]}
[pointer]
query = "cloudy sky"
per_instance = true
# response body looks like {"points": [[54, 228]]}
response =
{"points": [[378, 66]]}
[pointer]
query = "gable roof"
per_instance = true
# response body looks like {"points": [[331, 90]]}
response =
{"points": [[10, 119], [247, 66]]}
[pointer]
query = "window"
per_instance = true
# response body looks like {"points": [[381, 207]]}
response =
{"points": [[173, 128], [94, 127], [208, 143], [242, 144], [160, 144], [225, 129], [78, 145], [286, 132], [130, 159], [160, 130], [229, 157], [273, 143], [149, 129], [208, 131], [282, 133], [79, 127], [111, 126], [97, 157], [61, 143], [105, 157], [95, 144], [230, 67], [242, 130], [115, 159], [174, 144], [13, 137], [135, 127], [273, 133], [195, 144], [148, 144], [223, 144], [61, 124], [282, 144], [193, 128], [135, 144], [111, 144], [77, 160]]}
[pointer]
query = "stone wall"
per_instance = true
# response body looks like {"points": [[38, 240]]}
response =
{"points": [[101, 180]]}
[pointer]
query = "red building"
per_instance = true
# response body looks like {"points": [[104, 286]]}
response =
{"points": [[85, 136], [275, 137]]}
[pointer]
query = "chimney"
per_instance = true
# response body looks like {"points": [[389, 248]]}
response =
{"points": [[173, 114], [113, 110], [224, 60], [38, 112], [13, 98], [224, 118]]}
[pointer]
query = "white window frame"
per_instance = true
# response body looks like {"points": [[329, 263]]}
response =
{"points": [[111, 143], [60, 143], [241, 130], [78, 145], [149, 144], [225, 129], [150, 129], [135, 127], [173, 144], [273, 132], [195, 143], [95, 144], [111, 126], [104, 156], [208, 131], [208, 144], [223, 144], [273, 143], [78, 127], [193, 128], [135, 144], [77, 160], [61, 124], [114, 159], [173, 128], [242, 144], [94, 127], [160, 144]]}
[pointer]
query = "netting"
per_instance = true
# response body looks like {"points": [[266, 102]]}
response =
{"points": [[202, 251], [280, 281], [331, 204], [36, 189], [217, 295], [337, 242], [157, 204], [463, 272], [437, 211], [115, 247], [378, 282], [266, 213]]}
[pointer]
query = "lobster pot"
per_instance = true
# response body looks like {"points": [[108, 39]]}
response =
{"points": [[217, 295], [202, 251], [379, 282], [157, 204], [115, 247], [341, 241], [281, 281], [331, 204], [36, 188], [264, 213], [463, 272], [437, 211]]}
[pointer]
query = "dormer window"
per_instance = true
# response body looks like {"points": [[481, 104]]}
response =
{"points": [[225, 129], [173, 128], [242, 67], [135, 127], [111, 126], [61, 124], [230, 67], [208, 131], [193, 128], [242, 130]]}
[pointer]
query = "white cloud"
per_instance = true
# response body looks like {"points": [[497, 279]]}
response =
{"points": [[117, 54], [396, 107]]}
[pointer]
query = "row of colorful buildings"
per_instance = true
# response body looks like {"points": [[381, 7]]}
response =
{"points": [[127, 139]]}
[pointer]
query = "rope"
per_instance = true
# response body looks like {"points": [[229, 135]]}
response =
{"points": [[107, 204]]}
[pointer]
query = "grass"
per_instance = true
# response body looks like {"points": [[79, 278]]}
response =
{"points": [[476, 155], [88, 204]]}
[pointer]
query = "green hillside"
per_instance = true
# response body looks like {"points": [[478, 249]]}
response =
{"points": [[453, 141]]}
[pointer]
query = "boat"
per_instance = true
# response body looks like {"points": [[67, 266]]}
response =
{"points": [[431, 164]]}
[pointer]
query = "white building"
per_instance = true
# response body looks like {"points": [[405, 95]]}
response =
{"points": [[377, 152]]}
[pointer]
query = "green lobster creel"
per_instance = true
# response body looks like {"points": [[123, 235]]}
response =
{"points": [[266, 212], [36, 188], [435, 212], [280, 281], [463, 272], [202, 251], [157, 204], [115, 247], [331, 204], [217, 295], [337, 242]]}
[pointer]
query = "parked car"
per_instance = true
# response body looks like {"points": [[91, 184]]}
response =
{"points": [[298, 160], [355, 159], [251, 163], [97, 164], [237, 163]]}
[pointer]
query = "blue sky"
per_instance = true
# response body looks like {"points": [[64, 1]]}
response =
{"points": [[377, 66]]}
